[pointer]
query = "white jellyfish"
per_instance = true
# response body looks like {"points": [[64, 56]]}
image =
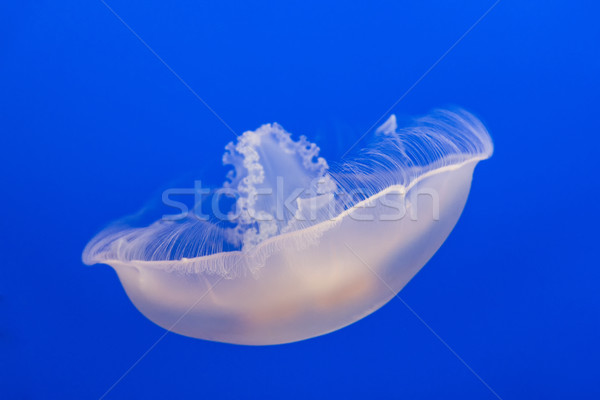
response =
{"points": [[304, 249]]}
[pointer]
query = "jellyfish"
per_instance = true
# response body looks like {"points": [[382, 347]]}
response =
{"points": [[290, 247]]}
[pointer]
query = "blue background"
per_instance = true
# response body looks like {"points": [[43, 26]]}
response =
{"points": [[92, 125]]}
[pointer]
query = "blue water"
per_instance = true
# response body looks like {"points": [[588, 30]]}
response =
{"points": [[92, 124]]}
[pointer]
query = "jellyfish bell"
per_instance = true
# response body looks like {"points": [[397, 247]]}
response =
{"points": [[305, 249]]}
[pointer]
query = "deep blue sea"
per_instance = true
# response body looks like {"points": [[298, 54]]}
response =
{"points": [[102, 104]]}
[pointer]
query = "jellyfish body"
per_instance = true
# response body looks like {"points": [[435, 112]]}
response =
{"points": [[335, 251]]}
